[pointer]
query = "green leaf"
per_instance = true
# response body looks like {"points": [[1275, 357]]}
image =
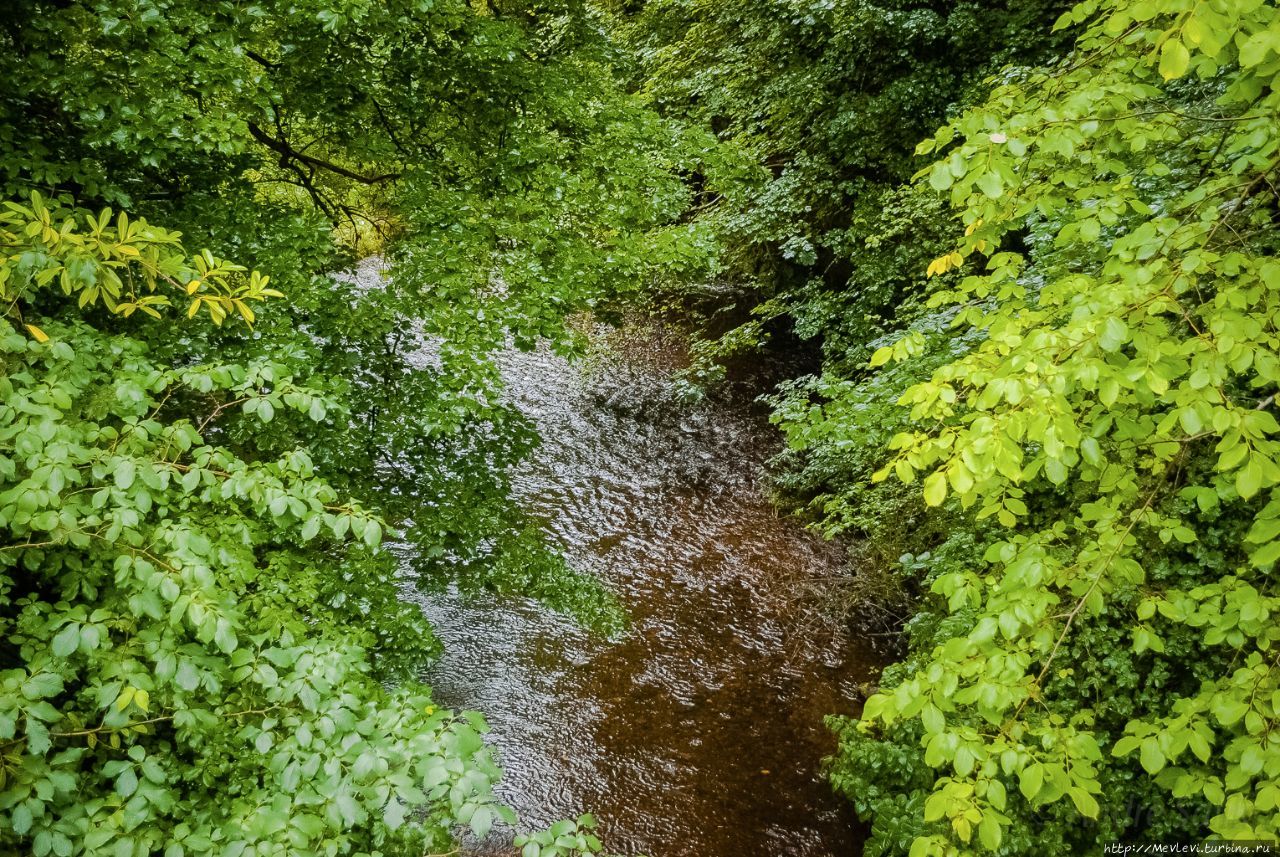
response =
{"points": [[1151, 756], [1174, 59], [1249, 478], [990, 833], [394, 814], [42, 685], [482, 821], [1252, 759], [67, 641], [932, 718], [1085, 803], [991, 185], [21, 819], [348, 808], [935, 488], [1255, 48], [1031, 780], [124, 474], [1115, 333], [940, 177], [186, 676], [1228, 709], [127, 782]]}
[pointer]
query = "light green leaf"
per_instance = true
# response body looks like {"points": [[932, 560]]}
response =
{"points": [[67, 640], [935, 488], [124, 474], [1151, 756], [1174, 59], [1031, 780]]}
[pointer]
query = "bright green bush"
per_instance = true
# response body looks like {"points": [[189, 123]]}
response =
{"points": [[187, 669], [1115, 421]]}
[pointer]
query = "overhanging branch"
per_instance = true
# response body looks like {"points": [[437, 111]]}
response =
{"points": [[283, 148]]}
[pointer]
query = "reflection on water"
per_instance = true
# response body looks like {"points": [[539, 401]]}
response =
{"points": [[699, 732]]}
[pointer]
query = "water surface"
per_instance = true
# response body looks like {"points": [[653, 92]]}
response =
{"points": [[699, 732]]}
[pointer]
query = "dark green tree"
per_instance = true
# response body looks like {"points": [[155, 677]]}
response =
{"points": [[205, 648]]}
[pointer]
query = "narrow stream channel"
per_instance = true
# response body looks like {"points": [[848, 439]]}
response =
{"points": [[699, 733]]}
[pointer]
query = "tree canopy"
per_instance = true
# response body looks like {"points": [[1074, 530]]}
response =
{"points": [[1044, 349], [206, 649]]}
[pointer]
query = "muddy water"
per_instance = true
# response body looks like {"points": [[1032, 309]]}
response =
{"points": [[699, 732]]}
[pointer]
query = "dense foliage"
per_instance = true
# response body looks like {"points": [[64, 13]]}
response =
{"points": [[1115, 419], [829, 99], [205, 649], [1068, 427], [1046, 360], [826, 240], [184, 673]]}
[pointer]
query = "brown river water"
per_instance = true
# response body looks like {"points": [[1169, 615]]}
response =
{"points": [[699, 731]]}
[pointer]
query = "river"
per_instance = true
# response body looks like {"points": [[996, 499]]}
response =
{"points": [[699, 732]]}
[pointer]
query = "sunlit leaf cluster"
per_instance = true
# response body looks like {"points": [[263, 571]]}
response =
{"points": [[1119, 404]]}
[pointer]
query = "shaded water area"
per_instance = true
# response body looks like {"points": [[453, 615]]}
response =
{"points": [[699, 731]]}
